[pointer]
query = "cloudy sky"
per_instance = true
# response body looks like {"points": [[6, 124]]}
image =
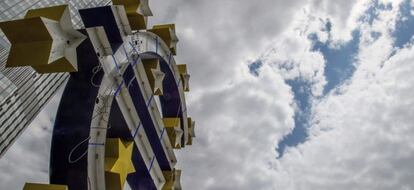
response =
{"points": [[300, 94]]}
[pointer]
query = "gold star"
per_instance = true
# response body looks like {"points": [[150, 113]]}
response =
{"points": [[178, 135], [118, 163], [38, 186], [185, 77], [174, 131], [191, 131], [191, 126], [158, 78], [167, 33], [154, 74], [172, 180], [50, 46], [137, 12]]}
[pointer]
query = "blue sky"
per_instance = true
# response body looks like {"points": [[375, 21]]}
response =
{"points": [[405, 29], [339, 67]]}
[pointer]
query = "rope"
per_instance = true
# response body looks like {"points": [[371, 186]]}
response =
{"points": [[95, 71], [102, 110], [74, 148]]}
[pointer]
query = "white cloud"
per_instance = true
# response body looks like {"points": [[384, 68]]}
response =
{"points": [[224, 33], [238, 128], [344, 14], [361, 136], [293, 58]]}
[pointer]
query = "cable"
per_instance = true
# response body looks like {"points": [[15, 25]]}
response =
{"points": [[96, 70], [74, 148], [102, 109], [86, 151]]}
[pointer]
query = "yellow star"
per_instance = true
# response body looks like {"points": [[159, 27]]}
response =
{"points": [[172, 180], [118, 163], [50, 46], [154, 74], [158, 78], [175, 133], [191, 131], [185, 77], [167, 33], [178, 136], [38, 186], [137, 12]]}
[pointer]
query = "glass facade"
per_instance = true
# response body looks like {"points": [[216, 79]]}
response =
{"points": [[23, 92]]}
